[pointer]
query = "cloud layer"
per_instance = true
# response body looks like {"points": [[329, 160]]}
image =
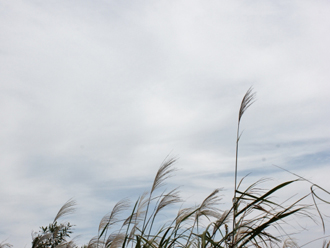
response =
{"points": [[95, 94]]}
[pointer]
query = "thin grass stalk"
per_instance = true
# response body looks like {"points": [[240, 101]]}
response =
{"points": [[263, 197], [155, 211], [314, 240], [129, 223], [163, 201], [314, 195], [183, 215], [152, 216], [258, 222], [135, 216], [247, 100], [163, 240], [235, 188], [257, 232], [192, 230]]}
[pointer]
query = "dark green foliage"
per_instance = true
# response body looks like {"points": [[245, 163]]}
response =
{"points": [[55, 235], [52, 235]]}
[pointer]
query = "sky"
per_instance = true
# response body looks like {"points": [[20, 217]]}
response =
{"points": [[94, 95]]}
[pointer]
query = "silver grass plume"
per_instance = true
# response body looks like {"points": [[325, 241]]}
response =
{"points": [[185, 214], [111, 218], [165, 200], [289, 243], [95, 242], [5, 245], [208, 207], [67, 208], [163, 173], [247, 101], [223, 219], [170, 198], [115, 240]]}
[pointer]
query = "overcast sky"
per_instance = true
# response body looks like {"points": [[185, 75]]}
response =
{"points": [[95, 94]]}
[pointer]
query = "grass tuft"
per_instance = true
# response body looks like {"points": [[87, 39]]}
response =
{"points": [[253, 219]]}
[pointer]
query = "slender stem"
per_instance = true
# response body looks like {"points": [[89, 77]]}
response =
{"points": [[247, 100], [235, 188], [144, 227], [236, 159]]}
